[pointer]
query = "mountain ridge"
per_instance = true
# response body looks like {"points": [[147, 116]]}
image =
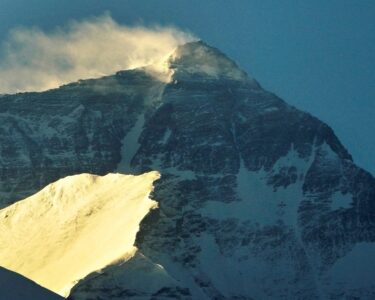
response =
{"points": [[258, 200], [75, 226]]}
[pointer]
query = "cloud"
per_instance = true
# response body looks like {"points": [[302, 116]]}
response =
{"points": [[33, 60]]}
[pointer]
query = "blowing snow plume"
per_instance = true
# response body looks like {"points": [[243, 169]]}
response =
{"points": [[33, 60]]}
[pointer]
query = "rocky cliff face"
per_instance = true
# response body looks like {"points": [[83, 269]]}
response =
{"points": [[258, 200]]}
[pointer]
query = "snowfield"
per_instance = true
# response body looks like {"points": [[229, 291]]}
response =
{"points": [[73, 227]]}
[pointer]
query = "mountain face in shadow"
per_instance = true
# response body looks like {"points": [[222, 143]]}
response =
{"points": [[16, 287]]}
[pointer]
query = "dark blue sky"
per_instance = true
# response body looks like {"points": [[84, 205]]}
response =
{"points": [[317, 55]]}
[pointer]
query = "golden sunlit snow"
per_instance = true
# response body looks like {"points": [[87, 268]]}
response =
{"points": [[74, 226]]}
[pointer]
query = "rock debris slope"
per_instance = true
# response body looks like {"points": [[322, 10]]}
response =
{"points": [[258, 200], [73, 227]]}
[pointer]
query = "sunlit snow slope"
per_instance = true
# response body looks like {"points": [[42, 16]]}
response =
{"points": [[74, 226]]}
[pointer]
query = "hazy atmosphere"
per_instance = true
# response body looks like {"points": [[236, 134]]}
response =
{"points": [[316, 55]]}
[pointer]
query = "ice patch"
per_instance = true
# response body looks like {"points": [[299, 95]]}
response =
{"points": [[260, 203], [340, 201], [166, 136], [130, 146], [271, 109]]}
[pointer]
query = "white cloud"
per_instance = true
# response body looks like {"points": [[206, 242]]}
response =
{"points": [[33, 60]]}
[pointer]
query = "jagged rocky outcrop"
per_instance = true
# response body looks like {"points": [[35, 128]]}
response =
{"points": [[71, 130], [258, 200]]}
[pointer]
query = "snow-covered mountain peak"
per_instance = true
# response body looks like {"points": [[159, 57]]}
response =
{"points": [[258, 200], [201, 60]]}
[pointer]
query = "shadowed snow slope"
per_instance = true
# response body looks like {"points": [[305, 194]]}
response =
{"points": [[16, 287], [74, 226]]}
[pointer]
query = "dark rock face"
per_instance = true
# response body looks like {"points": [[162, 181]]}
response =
{"points": [[258, 200], [75, 129]]}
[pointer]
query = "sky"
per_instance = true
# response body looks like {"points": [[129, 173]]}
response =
{"points": [[317, 55]]}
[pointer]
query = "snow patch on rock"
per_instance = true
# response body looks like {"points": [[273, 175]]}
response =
{"points": [[259, 201], [130, 145]]}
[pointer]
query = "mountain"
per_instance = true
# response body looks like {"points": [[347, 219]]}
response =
{"points": [[75, 226], [257, 199], [15, 287]]}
